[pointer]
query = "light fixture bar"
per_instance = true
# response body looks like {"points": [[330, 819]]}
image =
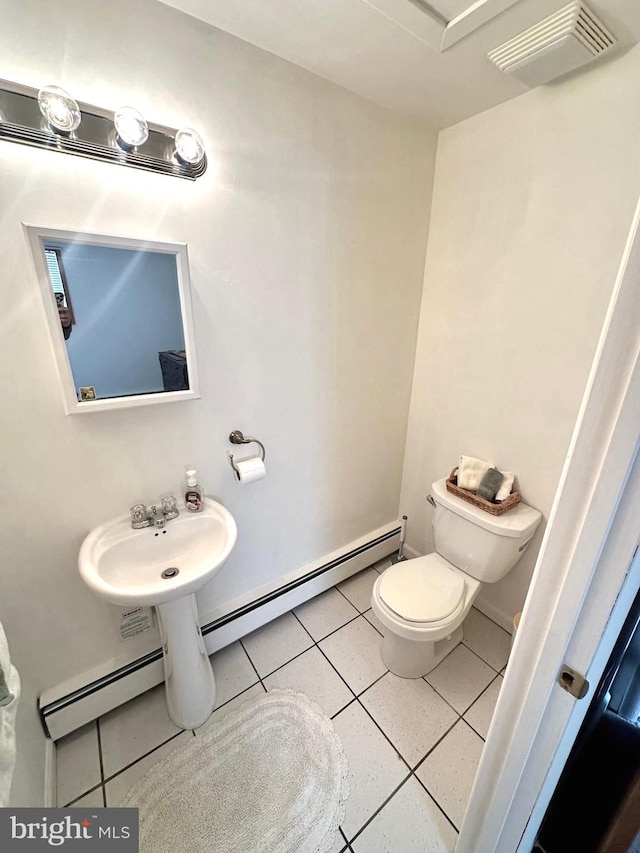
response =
{"points": [[96, 138]]}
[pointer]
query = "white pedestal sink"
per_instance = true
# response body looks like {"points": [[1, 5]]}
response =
{"points": [[165, 568]]}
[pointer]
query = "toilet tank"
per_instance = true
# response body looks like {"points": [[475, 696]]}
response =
{"points": [[484, 546]]}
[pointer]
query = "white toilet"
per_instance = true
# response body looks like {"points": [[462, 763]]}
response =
{"points": [[422, 603]]}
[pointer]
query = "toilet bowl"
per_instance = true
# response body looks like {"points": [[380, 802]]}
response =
{"points": [[423, 602]]}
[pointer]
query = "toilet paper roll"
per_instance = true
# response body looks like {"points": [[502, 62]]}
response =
{"points": [[249, 470]]}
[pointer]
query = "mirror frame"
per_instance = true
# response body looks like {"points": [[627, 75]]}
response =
{"points": [[36, 236]]}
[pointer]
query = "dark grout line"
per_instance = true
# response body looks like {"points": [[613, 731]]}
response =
{"points": [[492, 682], [437, 692], [384, 734], [371, 623], [461, 714], [322, 652], [237, 695], [84, 794], [168, 740], [377, 812], [335, 630], [104, 790], [344, 708], [278, 668], [346, 598], [478, 655], [369, 686], [435, 802], [347, 848], [254, 668], [435, 745]]}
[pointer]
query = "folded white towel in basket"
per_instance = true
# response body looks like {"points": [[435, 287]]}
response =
{"points": [[507, 484], [471, 471], [7, 720]]}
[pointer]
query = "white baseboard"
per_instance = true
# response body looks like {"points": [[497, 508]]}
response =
{"points": [[74, 703], [411, 553], [505, 620], [50, 778]]}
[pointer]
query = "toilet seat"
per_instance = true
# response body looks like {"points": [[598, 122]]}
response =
{"points": [[425, 590]]}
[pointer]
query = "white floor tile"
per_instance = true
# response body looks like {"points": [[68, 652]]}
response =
{"points": [[118, 787], [358, 588], [221, 711], [313, 675], [374, 766], [409, 823], [488, 640], [77, 763], [92, 800], [276, 643], [382, 565], [410, 713], [134, 729], [449, 771], [480, 713], [371, 617], [355, 652], [233, 672], [461, 678], [325, 613]]}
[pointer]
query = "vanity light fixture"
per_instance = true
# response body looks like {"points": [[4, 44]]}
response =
{"points": [[59, 109], [88, 131], [131, 128]]}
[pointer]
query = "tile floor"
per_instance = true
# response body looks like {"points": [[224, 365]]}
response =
{"points": [[413, 746]]}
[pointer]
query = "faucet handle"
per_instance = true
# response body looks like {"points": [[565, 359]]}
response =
{"points": [[139, 516], [170, 506]]}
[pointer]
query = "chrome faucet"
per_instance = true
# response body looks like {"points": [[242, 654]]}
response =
{"points": [[156, 516], [142, 516]]}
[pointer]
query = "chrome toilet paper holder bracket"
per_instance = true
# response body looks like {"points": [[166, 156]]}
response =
{"points": [[237, 437]]}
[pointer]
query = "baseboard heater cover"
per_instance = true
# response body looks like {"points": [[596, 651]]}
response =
{"points": [[62, 713]]}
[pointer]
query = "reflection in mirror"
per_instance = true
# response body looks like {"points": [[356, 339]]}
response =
{"points": [[126, 320], [123, 318]]}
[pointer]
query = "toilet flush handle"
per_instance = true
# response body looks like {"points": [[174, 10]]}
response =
{"points": [[431, 501]]}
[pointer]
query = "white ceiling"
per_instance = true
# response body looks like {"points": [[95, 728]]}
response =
{"points": [[354, 44]]}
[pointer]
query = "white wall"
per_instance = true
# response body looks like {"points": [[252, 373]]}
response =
{"points": [[306, 240], [531, 208]]}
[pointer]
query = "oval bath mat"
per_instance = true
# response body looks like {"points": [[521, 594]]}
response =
{"points": [[270, 778]]}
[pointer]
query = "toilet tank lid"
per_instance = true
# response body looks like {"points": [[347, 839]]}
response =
{"points": [[520, 521]]}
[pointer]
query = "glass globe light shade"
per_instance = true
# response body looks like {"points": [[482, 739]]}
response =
{"points": [[59, 108], [131, 127], [189, 146]]}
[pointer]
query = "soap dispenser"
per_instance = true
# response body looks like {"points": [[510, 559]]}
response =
{"points": [[194, 495]]}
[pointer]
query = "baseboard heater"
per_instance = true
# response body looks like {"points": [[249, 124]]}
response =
{"points": [[69, 706]]}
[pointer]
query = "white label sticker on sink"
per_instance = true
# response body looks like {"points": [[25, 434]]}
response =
{"points": [[135, 621]]}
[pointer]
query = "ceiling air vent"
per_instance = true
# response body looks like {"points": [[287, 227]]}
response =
{"points": [[569, 38]]}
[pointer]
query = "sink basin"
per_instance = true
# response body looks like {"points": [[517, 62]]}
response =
{"points": [[164, 568], [126, 566]]}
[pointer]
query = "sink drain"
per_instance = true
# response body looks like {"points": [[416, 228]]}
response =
{"points": [[170, 573]]}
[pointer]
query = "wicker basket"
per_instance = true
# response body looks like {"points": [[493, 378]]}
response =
{"points": [[495, 509]]}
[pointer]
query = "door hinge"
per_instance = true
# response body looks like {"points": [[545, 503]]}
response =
{"points": [[573, 682]]}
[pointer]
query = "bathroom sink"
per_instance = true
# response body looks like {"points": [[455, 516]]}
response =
{"points": [[152, 566]]}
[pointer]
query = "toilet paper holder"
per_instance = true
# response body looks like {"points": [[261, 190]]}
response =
{"points": [[237, 437]]}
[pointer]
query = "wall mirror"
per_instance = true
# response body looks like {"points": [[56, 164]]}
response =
{"points": [[120, 319]]}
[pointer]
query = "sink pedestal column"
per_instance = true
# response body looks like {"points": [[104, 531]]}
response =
{"points": [[191, 689]]}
